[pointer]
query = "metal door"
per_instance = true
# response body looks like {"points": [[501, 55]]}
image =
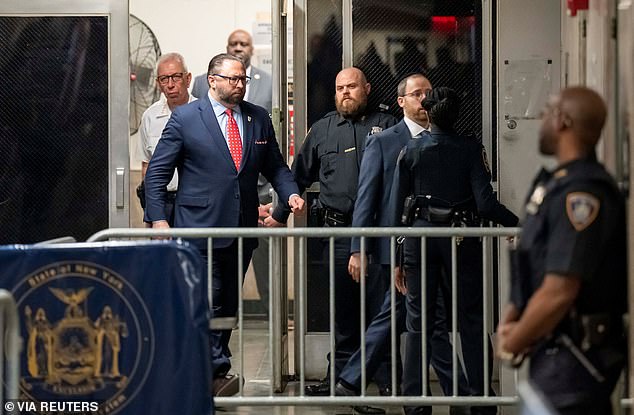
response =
{"points": [[387, 40], [527, 71], [64, 123]]}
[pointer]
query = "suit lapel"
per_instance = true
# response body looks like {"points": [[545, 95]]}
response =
{"points": [[247, 141], [253, 89], [255, 78], [209, 119], [403, 133]]}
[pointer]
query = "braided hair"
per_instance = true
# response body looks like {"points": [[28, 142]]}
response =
{"points": [[443, 107]]}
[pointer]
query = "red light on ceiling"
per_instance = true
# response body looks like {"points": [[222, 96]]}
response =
{"points": [[452, 24], [446, 24]]}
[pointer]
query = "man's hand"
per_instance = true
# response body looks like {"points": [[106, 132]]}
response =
{"points": [[503, 331], [161, 224], [512, 359], [354, 266], [399, 280], [296, 204], [272, 223], [264, 211]]}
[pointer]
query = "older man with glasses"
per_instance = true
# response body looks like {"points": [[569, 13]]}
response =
{"points": [[173, 79]]}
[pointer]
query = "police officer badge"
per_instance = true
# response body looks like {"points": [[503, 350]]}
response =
{"points": [[536, 199], [376, 129], [582, 209]]}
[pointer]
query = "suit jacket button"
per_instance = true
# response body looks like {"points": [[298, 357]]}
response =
{"points": [[237, 196]]}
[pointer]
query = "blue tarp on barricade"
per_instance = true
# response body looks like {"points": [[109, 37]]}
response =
{"points": [[120, 324]]}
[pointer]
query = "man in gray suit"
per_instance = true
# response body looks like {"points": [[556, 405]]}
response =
{"points": [[259, 90]]}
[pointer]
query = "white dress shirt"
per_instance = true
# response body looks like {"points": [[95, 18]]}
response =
{"points": [[153, 122]]}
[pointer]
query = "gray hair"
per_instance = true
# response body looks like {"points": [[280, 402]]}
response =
{"points": [[173, 56]]}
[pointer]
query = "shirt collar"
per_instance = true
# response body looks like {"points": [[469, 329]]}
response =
{"points": [[219, 109], [414, 128], [341, 119], [576, 163], [165, 109]]}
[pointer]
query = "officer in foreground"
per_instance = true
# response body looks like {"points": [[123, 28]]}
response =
{"points": [[442, 180], [569, 290]]}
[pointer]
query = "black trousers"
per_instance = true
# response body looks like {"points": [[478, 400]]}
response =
{"points": [[470, 306], [226, 277], [568, 385], [348, 303], [261, 270]]}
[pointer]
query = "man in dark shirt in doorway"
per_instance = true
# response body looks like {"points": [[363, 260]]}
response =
{"points": [[331, 155]]}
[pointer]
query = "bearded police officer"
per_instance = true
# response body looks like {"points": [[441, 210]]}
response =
{"points": [[569, 289], [331, 155]]}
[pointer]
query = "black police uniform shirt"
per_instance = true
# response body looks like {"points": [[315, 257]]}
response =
{"points": [[450, 169], [331, 155], [575, 225]]}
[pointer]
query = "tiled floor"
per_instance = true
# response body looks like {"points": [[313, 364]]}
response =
{"points": [[257, 367]]}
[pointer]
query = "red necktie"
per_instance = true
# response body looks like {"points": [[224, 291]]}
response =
{"points": [[233, 136]]}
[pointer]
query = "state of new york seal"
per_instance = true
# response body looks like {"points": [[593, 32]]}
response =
{"points": [[88, 336]]}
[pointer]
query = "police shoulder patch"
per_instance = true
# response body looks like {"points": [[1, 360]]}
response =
{"points": [[582, 209]]}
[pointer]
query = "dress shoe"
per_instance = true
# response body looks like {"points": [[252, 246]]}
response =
{"points": [[343, 390], [421, 410], [319, 389], [227, 385]]}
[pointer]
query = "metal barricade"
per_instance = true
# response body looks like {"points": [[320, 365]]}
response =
{"points": [[488, 236], [9, 338]]}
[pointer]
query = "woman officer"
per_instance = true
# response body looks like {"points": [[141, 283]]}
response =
{"points": [[446, 181]]}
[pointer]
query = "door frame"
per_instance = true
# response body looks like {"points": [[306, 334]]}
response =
{"points": [[118, 86]]}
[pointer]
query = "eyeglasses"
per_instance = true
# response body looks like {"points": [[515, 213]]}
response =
{"points": [[175, 77], [418, 95], [233, 80]]}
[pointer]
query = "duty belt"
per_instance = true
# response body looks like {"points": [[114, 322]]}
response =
{"points": [[435, 215], [335, 218], [448, 216]]}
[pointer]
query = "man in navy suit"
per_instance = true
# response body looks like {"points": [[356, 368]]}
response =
{"points": [[371, 209], [219, 145], [259, 92]]}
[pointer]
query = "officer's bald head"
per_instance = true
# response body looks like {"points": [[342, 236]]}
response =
{"points": [[351, 73], [572, 122], [586, 111]]}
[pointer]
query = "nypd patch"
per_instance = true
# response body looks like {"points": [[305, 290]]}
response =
{"points": [[582, 209], [376, 129]]}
